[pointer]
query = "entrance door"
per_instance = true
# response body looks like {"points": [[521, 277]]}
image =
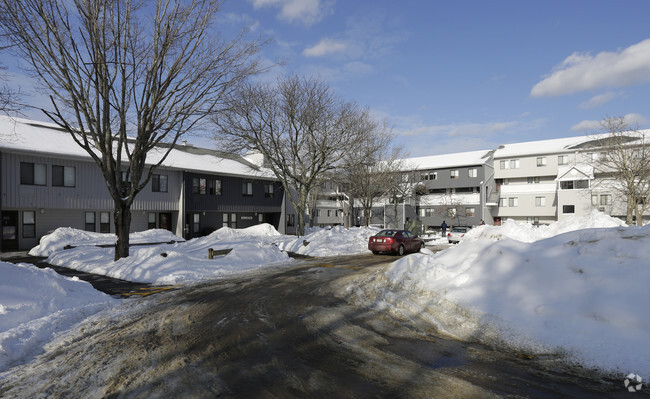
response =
{"points": [[9, 230], [165, 221]]}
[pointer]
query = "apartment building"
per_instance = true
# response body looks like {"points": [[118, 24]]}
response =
{"points": [[548, 180], [48, 181]]}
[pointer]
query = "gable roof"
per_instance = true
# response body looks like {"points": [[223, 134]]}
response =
{"points": [[575, 172]]}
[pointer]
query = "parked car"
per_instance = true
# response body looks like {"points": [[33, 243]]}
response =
{"points": [[457, 234], [395, 241]]}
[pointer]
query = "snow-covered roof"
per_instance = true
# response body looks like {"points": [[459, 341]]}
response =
{"points": [[551, 146], [470, 158], [538, 188], [21, 135]]}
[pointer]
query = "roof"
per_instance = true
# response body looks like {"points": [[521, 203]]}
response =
{"points": [[551, 146], [575, 172], [22, 135], [470, 158]]}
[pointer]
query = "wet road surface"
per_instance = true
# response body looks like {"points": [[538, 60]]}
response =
{"points": [[285, 333]]}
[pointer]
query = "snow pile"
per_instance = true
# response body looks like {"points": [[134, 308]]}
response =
{"points": [[333, 241], [183, 262], [67, 236], [527, 232], [35, 304], [584, 292]]}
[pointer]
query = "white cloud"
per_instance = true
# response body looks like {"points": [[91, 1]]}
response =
{"points": [[306, 11], [632, 120], [599, 100], [324, 47], [580, 72]]}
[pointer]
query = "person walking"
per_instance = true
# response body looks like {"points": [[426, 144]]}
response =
{"points": [[444, 226]]}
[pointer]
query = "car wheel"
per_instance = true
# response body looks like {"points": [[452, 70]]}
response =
{"points": [[375, 252], [400, 250], [421, 246]]}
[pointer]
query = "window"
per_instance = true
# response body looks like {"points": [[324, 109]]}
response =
{"points": [[215, 187], [422, 212], [199, 186], [291, 220], [568, 209], [605, 199], [574, 184], [513, 201], [268, 190], [260, 218], [541, 161], [504, 164], [533, 219], [34, 174], [29, 224], [533, 180], [470, 212], [233, 220], [429, 176], [63, 176], [105, 222], [540, 201], [582, 184], [594, 200], [503, 202], [151, 221], [473, 172], [453, 174], [329, 213], [224, 220], [196, 223], [566, 185], [247, 189], [90, 221], [514, 164], [562, 159], [159, 183]]}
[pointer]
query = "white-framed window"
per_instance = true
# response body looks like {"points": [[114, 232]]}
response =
{"points": [[429, 176], [215, 187], [29, 224], [606, 199], [473, 172], [533, 180], [224, 220], [454, 174], [260, 218], [291, 220], [470, 212], [562, 159], [199, 186], [151, 220], [594, 200], [541, 161], [504, 164], [540, 201], [514, 164], [196, 223], [89, 221], [513, 201], [503, 202], [105, 222]]}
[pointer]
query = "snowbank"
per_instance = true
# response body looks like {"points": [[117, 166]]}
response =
{"points": [[333, 241], [65, 236], [36, 304], [183, 262], [583, 292]]}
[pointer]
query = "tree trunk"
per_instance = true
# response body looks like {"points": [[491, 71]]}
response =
{"points": [[631, 204], [122, 220]]}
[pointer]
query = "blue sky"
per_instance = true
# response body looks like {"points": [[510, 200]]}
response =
{"points": [[454, 76]]}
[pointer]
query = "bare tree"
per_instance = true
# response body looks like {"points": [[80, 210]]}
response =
{"points": [[367, 171], [299, 125], [624, 158], [401, 183], [122, 69]]}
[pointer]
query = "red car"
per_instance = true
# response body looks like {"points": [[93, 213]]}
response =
{"points": [[395, 241]]}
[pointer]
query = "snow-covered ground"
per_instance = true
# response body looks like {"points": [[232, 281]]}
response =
{"points": [[578, 287]]}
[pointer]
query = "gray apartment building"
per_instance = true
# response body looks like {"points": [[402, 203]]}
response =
{"points": [[48, 181]]}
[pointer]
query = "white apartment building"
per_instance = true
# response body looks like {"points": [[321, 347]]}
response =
{"points": [[548, 180]]}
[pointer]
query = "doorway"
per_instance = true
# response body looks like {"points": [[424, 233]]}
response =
{"points": [[9, 230], [165, 221]]}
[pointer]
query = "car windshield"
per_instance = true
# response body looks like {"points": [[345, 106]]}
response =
{"points": [[387, 233], [459, 229]]}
